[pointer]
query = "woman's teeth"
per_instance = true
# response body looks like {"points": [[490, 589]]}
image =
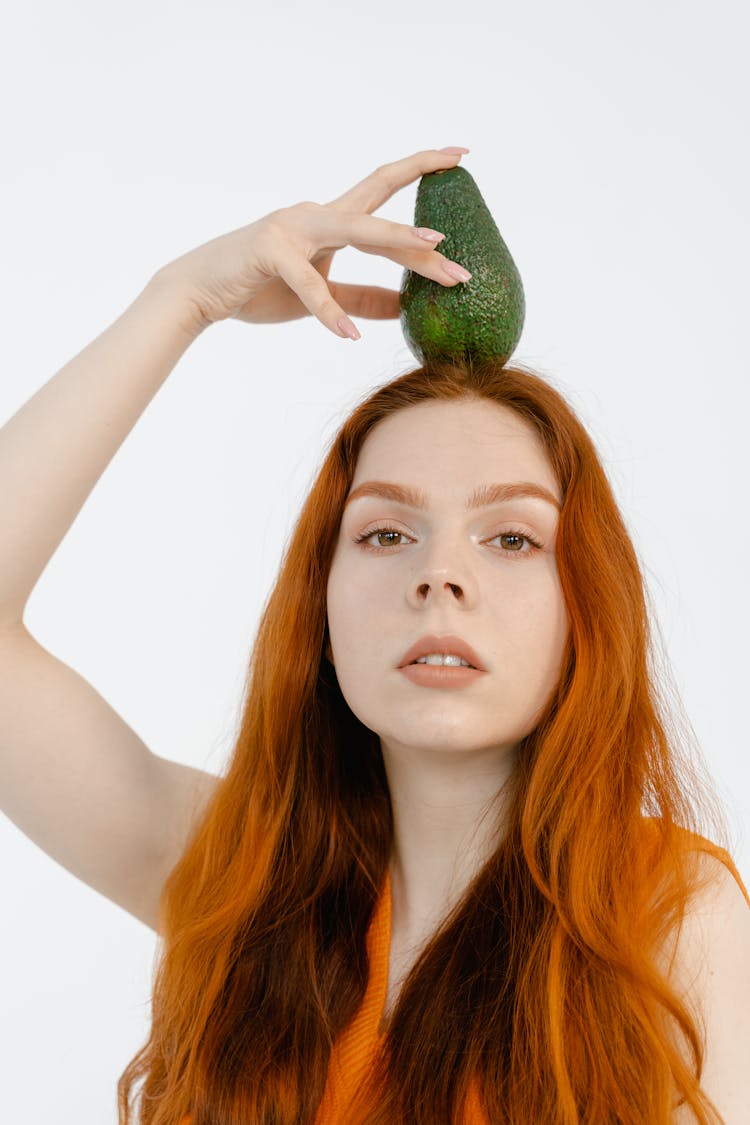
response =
{"points": [[440, 658]]}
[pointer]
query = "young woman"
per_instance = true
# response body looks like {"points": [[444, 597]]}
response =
{"points": [[453, 871]]}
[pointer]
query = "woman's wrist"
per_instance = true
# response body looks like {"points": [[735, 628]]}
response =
{"points": [[178, 298]]}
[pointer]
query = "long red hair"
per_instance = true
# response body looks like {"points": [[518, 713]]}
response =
{"points": [[542, 984]]}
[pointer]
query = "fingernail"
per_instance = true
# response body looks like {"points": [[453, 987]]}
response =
{"points": [[347, 328], [454, 270], [429, 235], [453, 150]]}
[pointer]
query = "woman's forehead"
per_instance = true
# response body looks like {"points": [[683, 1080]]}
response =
{"points": [[477, 441]]}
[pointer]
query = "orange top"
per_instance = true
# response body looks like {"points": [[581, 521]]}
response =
{"points": [[356, 1045]]}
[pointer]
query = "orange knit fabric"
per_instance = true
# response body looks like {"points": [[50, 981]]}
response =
{"points": [[356, 1045]]}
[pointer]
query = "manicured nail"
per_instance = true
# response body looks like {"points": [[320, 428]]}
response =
{"points": [[453, 150], [454, 270], [348, 329], [429, 235]]}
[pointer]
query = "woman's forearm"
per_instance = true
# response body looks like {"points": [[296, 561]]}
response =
{"points": [[56, 446]]}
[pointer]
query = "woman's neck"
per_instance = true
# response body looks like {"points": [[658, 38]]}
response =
{"points": [[448, 817]]}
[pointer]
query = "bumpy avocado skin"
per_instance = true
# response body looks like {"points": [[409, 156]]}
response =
{"points": [[482, 318]]}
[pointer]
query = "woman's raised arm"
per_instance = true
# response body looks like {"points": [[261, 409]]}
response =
{"points": [[73, 775]]}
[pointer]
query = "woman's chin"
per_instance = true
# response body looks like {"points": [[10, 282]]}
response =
{"points": [[441, 742]]}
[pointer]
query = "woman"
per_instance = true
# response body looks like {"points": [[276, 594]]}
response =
{"points": [[453, 871]]}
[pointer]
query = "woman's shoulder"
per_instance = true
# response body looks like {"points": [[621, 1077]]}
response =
{"points": [[707, 960], [712, 864]]}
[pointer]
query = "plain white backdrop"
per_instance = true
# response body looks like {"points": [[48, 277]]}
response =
{"points": [[609, 142]]}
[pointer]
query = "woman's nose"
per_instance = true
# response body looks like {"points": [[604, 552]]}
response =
{"points": [[426, 588], [453, 585]]}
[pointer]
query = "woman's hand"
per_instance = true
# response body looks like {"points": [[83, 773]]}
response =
{"points": [[276, 268]]}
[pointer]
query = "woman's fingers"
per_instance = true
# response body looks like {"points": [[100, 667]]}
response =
{"points": [[385, 181], [335, 229], [278, 302], [371, 302], [329, 301], [313, 291], [434, 265], [309, 225], [397, 241]]}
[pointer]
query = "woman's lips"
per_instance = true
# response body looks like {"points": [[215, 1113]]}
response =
{"points": [[440, 675], [445, 645]]}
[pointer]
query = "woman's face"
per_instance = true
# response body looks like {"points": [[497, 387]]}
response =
{"points": [[448, 560]]}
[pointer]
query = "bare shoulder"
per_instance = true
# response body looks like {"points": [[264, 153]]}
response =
{"points": [[710, 965]]}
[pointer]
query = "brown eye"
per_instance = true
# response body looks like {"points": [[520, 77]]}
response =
{"points": [[385, 537], [390, 538], [518, 543], [517, 539]]}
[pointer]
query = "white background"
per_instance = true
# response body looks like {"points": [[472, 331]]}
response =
{"points": [[610, 144]]}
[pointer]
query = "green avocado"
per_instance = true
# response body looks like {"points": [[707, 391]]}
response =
{"points": [[481, 318]]}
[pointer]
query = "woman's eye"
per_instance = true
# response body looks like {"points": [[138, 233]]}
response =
{"points": [[385, 536], [511, 542]]}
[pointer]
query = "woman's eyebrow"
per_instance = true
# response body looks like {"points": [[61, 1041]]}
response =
{"points": [[481, 497]]}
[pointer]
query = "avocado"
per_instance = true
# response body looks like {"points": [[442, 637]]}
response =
{"points": [[482, 317]]}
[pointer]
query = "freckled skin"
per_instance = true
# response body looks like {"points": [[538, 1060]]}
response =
{"points": [[452, 574]]}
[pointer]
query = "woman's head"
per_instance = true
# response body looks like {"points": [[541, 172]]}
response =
{"points": [[265, 917], [523, 580], [432, 543]]}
